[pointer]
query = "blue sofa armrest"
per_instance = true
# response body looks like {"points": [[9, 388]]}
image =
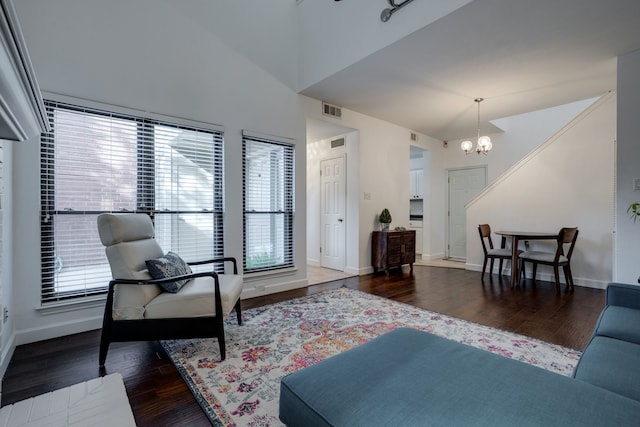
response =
{"points": [[623, 295]]}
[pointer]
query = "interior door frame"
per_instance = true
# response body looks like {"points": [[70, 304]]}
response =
{"points": [[343, 241], [448, 202]]}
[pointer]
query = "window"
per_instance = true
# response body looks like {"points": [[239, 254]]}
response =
{"points": [[267, 203], [95, 161]]}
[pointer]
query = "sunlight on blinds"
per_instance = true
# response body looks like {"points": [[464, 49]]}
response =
{"points": [[95, 161], [268, 204]]}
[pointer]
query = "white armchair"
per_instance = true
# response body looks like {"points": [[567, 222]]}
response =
{"points": [[139, 309]]}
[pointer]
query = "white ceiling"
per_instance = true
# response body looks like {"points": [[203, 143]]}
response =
{"points": [[519, 55]]}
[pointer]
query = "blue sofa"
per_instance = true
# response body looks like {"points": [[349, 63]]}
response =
{"points": [[412, 378]]}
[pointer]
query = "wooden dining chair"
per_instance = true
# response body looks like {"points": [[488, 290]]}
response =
{"points": [[491, 253], [566, 240]]}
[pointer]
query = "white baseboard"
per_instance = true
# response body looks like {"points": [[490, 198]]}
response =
{"points": [[57, 330], [260, 290], [547, 277], [352, 270], [7, 354], [432, 257]]}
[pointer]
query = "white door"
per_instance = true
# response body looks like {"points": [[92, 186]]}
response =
{"points": [[464, 184], [332, 244]]}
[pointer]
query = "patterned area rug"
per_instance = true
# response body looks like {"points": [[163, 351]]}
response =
{"points": [[282, 338]]}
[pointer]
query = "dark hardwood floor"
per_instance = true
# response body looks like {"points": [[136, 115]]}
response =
{"points": [[159, 397]]}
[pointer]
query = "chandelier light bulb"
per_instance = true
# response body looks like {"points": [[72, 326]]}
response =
{"points": [[466, 146], [484, 142]]}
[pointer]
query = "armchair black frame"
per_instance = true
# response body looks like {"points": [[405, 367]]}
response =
{"points": [[166, 328]]}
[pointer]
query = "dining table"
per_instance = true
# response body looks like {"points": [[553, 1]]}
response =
{"points": [[516, 236]]}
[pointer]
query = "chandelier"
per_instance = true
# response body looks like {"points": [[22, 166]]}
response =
{"points": [[484, 142]]}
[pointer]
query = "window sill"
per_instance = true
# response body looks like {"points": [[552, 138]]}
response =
{"points": [[258, 275], [72, 305]]}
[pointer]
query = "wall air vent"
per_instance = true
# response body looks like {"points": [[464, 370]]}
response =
{"points": [[337, 143], [331, 110], [414, 136]]}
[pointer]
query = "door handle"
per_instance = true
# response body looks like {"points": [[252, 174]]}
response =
{"points": [[339, 219]]}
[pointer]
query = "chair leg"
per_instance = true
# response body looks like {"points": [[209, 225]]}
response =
{"points": [[104, 348], [556, 274], [568, 277], [523, 273], [500, 267], [220, 333], [491, 268], [238, 312], [484, 266], [535, 271]]}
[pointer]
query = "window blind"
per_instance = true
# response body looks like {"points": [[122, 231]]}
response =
{"points": [[95, 161], [268, 203]]}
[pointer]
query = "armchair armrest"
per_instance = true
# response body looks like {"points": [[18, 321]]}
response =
{"points": [[623, 295], [217, 260]]}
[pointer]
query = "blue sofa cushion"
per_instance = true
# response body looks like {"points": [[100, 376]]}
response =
{"points": [[411, 378], [619, 322], [613, 365]]}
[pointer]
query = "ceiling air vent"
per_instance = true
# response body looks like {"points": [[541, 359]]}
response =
{"points": [[331, 110], [337, 143]]}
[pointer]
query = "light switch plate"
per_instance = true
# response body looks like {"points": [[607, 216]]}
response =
{"points": [[636, 184]]}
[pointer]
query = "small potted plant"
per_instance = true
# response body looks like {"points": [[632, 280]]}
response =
{"points": [[634, 211], [385, 219]]}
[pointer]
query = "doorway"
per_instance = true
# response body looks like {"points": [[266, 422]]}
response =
{"points": [[463, 185], [332, 207]]}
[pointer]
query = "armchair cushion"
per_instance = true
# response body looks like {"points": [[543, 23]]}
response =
{"points": [[169, 265], [196, 298]]}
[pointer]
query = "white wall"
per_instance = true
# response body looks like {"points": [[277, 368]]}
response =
{"points": [[154, 60], [520, 135], [324, 50], [627, 267], [244, 26], [566, 182], [384, 171], [383, 161]]}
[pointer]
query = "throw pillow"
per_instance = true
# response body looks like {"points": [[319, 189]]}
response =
{"points": [[169, 265]]}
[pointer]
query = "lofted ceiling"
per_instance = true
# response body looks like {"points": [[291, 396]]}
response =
{"points": [[519, 55]]}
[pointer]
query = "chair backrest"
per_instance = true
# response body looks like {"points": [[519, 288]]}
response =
{"points": [[485, 234], [129, 242], [566, 236]]}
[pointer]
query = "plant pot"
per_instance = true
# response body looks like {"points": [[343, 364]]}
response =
{"points": [[384, 226]]}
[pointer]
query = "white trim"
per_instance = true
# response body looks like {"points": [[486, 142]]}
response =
{"points": [[7, 355], [268, 137], [87, 103], [74, 304], [544, 277], [58, 330], [259, 290]]}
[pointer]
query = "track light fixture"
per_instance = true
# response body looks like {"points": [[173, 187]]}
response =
{"points": [[386, 14]]}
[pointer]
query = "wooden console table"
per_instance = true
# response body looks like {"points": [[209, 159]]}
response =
{"points": [[393, 249]]}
